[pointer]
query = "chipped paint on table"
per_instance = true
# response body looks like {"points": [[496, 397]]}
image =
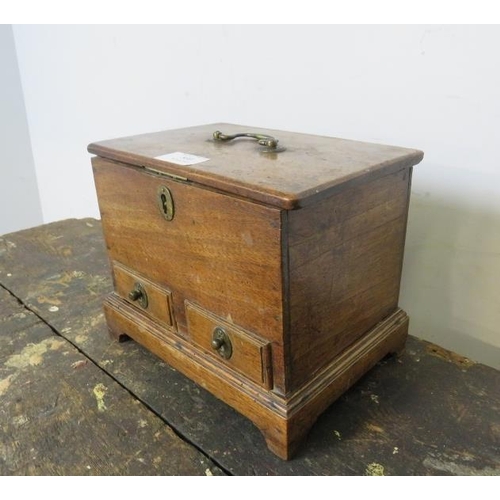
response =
{"points": [[51, 424]]}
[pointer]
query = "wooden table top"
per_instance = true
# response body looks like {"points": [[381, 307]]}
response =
{"points": [[75, 402]]}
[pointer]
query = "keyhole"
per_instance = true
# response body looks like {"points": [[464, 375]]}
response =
{"points": [[165, 202]]}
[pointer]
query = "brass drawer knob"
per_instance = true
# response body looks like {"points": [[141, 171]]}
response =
{"points": [[138, 294], [222, 343]]}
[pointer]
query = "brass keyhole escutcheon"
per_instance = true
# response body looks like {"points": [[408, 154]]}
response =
{"points": [[138, 294], [222, 343], [166, 202]]}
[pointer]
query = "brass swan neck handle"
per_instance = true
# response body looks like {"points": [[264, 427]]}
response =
{"points": [[270, 143]]}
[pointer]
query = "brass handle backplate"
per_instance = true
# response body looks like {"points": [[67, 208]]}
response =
{"points": [[222, 343], [138, 294], [270, 143]]}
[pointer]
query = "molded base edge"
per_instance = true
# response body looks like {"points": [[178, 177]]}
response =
{"points": [[284, 422]]}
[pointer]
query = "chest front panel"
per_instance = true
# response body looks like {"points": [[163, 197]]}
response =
{"points": [[219, 252]]}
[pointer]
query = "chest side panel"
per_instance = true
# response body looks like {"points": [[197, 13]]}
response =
{"points": [[219, 252], [345, 258]]}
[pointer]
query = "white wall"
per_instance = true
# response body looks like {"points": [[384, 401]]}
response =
{"points": [[428, 87], [19, 199]]}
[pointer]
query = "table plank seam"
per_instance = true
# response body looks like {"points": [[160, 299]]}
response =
{"points": [[179, 434]]}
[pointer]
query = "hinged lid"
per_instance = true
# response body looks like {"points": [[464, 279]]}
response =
{"points": [[312, 167]]}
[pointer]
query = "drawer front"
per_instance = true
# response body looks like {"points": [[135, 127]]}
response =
{"points": [[150, 298], [234, 347]]}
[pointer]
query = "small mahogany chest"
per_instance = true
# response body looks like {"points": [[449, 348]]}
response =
{"points": [[267, 272]]}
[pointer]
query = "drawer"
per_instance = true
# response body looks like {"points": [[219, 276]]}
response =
{"points": [[149, 297], [234, 347]]}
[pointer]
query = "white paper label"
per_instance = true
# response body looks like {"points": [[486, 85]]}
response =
{"points": [[179, 158]]}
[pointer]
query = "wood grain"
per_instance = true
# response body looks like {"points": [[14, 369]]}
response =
{"points": [[159, 299], [312, 168], [344, 265], [221, 253], [250, 355]]}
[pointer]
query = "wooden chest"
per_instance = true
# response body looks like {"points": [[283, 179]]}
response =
{"points": [[269, 277]]}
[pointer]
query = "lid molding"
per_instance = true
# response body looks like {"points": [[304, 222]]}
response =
{"points": [[312, 168]]}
